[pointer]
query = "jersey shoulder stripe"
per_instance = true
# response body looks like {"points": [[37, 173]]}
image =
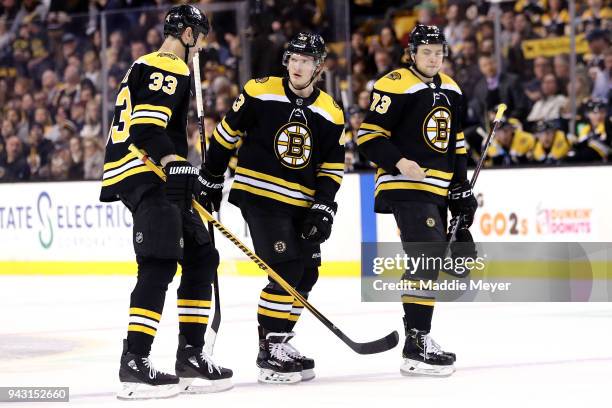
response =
{"points": [[325, 106], [270, 88], [165, 61], [449, 84], [399, 81]]}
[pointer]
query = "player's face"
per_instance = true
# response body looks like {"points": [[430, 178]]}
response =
{"points": [[301, 68], [597, 117], [546, 138], [428, 58]]}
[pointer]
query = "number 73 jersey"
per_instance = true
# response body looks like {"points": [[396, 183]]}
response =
{"points": [[151, 112], [419, 121]]}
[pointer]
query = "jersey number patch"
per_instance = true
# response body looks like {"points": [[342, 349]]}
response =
{"points": [[166, 84], [380, 103]]}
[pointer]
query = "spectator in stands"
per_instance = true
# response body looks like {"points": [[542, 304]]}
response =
{"points": [[551, 145], [154, 39], [91, 68], [555, 20], [50, 86], [387, 41], [93, 159], [451, 26], [76, 170], [541, 67], [93, 126], [466, 66], [39, 145], [603, 78], [354, 160], [363, 100], [60, 165], [70, 48], [137, 50], [599, 42], [561, 70], [13, 167], [383, 62], [597, 15], [359, 49], [496, 87], [550, 106]]}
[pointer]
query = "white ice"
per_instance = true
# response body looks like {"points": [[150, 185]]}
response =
{"points": [[67, 331]]}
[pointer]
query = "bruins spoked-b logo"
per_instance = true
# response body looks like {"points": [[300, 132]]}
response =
{"points": [[293, 145], [437, 128]]}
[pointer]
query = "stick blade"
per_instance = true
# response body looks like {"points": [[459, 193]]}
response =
{"points": [[377, 346]]}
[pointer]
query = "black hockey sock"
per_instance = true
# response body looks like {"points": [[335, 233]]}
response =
{"points": [[274, 309], [147, 302], [418, 316]]}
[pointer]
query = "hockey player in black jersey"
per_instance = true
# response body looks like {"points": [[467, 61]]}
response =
{"points": [[413, 133], [151, 112], [290, 166]]}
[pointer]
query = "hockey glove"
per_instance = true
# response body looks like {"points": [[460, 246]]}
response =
{"points": [[184, 182], [462, 203], [318, 222], [212, 189], [463, 246]]}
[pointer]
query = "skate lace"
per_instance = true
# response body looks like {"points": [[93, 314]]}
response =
{"points": [[430, 346], [209, 362], [152, 371], [278, 350], [291, 351]]}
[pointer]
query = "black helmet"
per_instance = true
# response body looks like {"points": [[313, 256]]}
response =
{"points": [[183, 16], [595, 105], [426, 34], [306, 44], [544, 126]]}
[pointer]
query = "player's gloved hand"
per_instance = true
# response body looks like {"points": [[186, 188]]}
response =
{"points": [[462, 203], [185, 182], [181, 183], [463, 246], [318, 222], [211, 189]]}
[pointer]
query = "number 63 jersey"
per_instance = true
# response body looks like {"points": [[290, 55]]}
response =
{"points": [[290, 154], [419, 121], [151, 112]]}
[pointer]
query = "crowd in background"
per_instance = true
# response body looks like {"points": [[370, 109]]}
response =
{"points": [[52, 82]]}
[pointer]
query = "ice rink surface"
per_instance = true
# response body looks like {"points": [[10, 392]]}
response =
{"points": [[67, 331]]}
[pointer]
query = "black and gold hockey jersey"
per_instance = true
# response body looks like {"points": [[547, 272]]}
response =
{"points": [[291, 151], [419, 121], [557, 152], [520, 150], [151, 112]]}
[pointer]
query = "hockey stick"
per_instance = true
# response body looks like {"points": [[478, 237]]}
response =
{"points": [[457, 220], [213, 328], [376, 346]]}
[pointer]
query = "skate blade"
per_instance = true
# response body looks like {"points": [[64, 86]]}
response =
{"points": [[414, 368], [267, 376], [140, 391], [308, 375], [199, 385]]}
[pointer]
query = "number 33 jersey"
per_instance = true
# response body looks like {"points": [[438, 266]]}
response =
{"points": [[290, 153], [419, 121], [151, 112]]}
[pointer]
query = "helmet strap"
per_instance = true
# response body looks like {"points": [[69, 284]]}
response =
{"points": [[188, 46]]}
